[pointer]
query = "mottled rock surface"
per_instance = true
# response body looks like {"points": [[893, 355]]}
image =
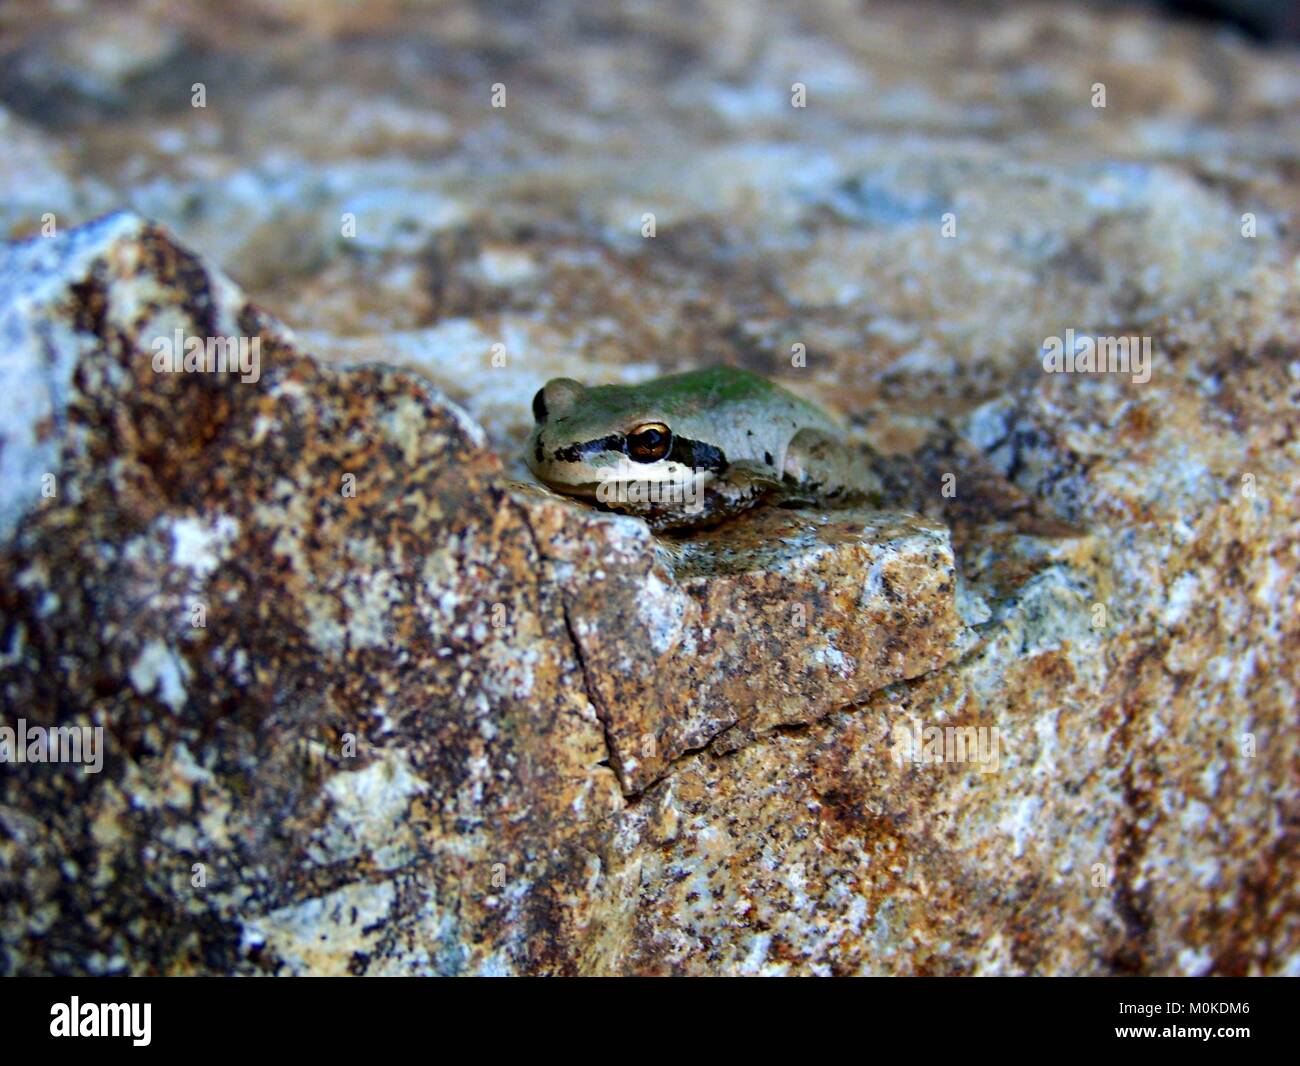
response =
{"points": [[372, 705]]}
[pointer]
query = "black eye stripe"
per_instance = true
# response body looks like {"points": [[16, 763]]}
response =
{"points": [[575, 453], [692, 453], [698, 455], [539, 406]]}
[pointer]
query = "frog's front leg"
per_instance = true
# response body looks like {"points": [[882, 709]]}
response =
{"points": [[819, 467]]}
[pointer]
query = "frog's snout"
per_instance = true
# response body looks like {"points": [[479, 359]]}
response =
{"points": [[535, 451]]}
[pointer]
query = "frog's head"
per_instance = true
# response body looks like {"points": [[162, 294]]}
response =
{"points": [[584, 437]]}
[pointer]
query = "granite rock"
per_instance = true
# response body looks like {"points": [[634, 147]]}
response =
{"points": [[249, 579]]}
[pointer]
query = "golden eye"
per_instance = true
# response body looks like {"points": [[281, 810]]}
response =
{"points": [[649, 443]]}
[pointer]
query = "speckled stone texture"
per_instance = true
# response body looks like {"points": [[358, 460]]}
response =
{"points": [[1038, 716], [772, 621]]}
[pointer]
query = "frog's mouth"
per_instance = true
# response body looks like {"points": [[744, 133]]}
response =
{"points": [[585, 489], [594, 481], [625, 485]]}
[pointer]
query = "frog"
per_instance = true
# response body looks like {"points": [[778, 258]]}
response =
{"points": [[692, 449]]}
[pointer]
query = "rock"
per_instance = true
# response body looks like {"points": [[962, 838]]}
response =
{"points": [[234, 617], [252, 578], [372, 703], [770, 622]]}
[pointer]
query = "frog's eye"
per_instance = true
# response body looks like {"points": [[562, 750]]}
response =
{"points": [[649, 443], [539, 406]]}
